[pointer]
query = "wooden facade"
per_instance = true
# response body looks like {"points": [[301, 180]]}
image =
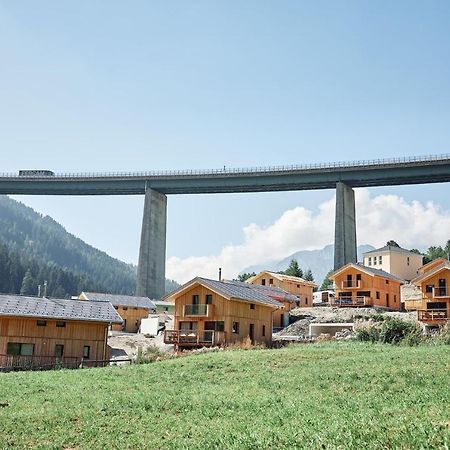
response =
{"points": [[434, 283], [54, 338], [293, 285], [358, 286], [205, 317]]}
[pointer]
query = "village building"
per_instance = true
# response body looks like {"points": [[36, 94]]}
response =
{"points": [[211, 312], [357, 285], [434, 283], [131, 309], [394, 260], [293, 285], [38, 331]]}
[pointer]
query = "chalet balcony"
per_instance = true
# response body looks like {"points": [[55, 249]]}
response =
{"points": [[198, 310], [192, 338], [351, 284], [441, 292], [432, 315], [351, 301]]}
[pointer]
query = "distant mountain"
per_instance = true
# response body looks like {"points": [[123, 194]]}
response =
{"points": [[319, 261], [35, 248]]}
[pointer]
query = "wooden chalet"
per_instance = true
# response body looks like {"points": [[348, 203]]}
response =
{"points": [[211, 312], [297, 286], [357, 285], [38, 332], [434, 282], [131, 309]]}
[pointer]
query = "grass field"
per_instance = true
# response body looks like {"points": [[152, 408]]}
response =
{"points": [[324, 396]]}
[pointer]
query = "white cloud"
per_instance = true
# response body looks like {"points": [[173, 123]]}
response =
{"points": [[379, 219]]}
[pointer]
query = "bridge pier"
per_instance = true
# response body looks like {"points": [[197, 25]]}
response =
{"points": [[345, 250], [152, 251]]}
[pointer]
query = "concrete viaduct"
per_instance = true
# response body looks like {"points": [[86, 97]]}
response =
{"points": [[342, 176]]}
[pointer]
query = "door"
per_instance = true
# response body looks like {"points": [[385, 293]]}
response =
{"points": [[349, 281], [251, 332], [442, 288]]}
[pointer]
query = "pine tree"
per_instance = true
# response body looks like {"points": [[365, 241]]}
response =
{"points": [[294, 270], [308, 275], [29, 286]]}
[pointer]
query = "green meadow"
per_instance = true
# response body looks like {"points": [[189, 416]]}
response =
{"points": [[322, 396]]}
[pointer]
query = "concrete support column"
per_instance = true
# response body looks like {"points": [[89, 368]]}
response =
{"points": [[345, 227], [152, 252]]}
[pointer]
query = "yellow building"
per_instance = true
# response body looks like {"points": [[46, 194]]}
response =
{"points": [[357, 285], [394, 260], [131, 309], [293, 285], [434, 282], [211, 312]]}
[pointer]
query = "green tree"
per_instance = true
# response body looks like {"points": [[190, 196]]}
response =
{"points": [[308, 276], [294, 270], [392, 244], [245, 276], [327, 283], [29, 286]]}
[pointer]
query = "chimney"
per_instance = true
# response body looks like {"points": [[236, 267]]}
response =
{"points": [[220, 273]]}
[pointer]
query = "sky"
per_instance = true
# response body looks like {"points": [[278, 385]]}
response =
{"points": [[146, 85]]}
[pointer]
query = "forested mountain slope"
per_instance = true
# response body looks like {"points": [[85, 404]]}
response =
{"points": [[35, 248]]}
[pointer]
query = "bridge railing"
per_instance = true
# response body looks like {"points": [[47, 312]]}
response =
{"points": [[238, 170]]}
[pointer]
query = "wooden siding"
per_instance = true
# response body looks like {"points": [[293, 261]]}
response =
{"points": [[132, 317], [228, 311], [74, 336], [383, 292], [302, 290]]}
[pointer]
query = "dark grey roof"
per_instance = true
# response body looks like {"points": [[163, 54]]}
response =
{"points": [[387, 248], [121, 300], [50, 308], [380, 273], [275, 292], [238, 290]]}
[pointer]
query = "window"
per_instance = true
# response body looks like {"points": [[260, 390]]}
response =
{"points": [[60, 324], [16, 348], [378, 295], [298, 285], [306, 300], [263, 281], [220, 325], [380, 260], [195, 299], [124, 308], [407, 260], [271, 281], [395, 298], [86, 351], [59, 350], [185, 326], [358, 277], [387, 281], [235, 328], [370, 261], [252, 306], [41, 323], [429, 288], [208, 300], [116, 307], [374, 260], [263, 330]]}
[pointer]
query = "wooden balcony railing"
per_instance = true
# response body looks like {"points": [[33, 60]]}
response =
{"points": [[432, 315], [352, 301], [351, 284], [441, 292], [191, 338], [198, 310]]}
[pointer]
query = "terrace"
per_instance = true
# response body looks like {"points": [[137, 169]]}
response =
{"points": [[194, 338]]}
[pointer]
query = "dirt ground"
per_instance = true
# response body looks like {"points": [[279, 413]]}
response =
{"points": [[125, 345], [329, 315]]}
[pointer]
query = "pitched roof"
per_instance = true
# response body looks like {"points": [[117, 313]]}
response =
{"points": [[369, 270], [51, 308], [390, 248], [276, 293], [235, 290], [444, 265], [120, 300], [428, 266], [283, 277]]}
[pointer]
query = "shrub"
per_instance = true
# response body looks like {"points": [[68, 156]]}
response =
{"points": [[368, 334], [443, 335], [394, 331], [151, 354]]}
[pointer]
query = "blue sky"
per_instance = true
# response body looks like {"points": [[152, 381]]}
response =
{"points": [[117, 86]]}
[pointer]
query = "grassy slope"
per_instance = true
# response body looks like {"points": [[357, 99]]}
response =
{"points": [[333, 396]]}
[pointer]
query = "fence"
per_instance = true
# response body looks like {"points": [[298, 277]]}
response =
{"points": [[12, 363]]}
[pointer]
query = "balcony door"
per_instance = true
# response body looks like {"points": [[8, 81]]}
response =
{"points": [[442, 287]]}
